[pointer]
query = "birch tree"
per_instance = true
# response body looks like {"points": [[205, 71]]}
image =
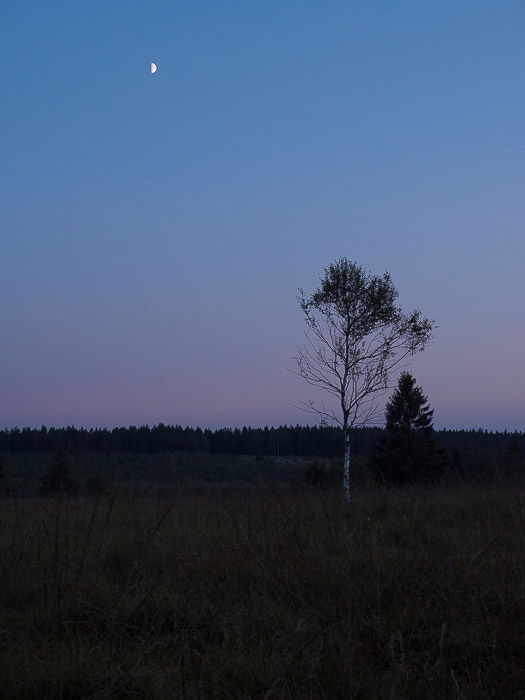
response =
{"points": [[356, 336]]}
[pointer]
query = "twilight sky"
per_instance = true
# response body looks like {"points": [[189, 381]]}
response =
{"points": [[155, 228]]}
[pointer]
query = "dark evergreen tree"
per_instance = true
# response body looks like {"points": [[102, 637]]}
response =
{"points": [[58, 480], [408, 451]]}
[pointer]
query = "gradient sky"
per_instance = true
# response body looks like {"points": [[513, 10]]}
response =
{"points": [[155, 228]]}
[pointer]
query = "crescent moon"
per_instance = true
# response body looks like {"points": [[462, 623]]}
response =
{"points": [[153, 68]]}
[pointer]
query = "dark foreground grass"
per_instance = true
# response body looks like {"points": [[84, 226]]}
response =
{"points": [[259, 594]]}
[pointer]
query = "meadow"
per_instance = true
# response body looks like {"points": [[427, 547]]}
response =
{"points": [[267, 591]]}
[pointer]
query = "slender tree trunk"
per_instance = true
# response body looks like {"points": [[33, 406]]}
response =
{"points": [[346, 466]]}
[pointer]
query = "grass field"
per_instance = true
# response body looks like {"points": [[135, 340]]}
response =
{"points": [[265, 592]]}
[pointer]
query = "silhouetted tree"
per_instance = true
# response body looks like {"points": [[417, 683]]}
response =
{"points": [[356, 335], [58, 479], [408, 451]]}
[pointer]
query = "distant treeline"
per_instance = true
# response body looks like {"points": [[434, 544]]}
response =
{"points": [[310, 441]]}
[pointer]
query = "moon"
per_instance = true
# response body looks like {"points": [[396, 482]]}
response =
{"points": [[152, 67]]}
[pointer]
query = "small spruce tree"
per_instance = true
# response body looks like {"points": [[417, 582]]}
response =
{"points": [[408, 452], [58, 479]]}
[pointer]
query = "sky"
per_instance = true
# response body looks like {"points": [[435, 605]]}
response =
{"points": [[155, 229]]}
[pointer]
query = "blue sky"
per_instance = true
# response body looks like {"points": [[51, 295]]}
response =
{"points": [[155, 228]]}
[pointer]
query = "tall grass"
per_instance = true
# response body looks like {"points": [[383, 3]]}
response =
{"points": [[274, 592]]}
